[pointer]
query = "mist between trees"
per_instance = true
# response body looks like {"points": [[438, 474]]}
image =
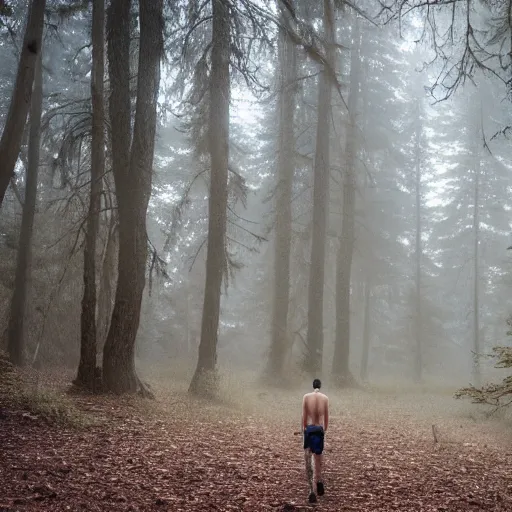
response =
{"points": [[288, 188]]}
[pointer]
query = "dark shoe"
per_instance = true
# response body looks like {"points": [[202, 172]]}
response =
{"points": [[312, 498], [320, 488]]}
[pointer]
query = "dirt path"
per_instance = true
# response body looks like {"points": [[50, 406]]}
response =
{"points": [[189, 456]]}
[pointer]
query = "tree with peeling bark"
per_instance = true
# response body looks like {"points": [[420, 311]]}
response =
{"points": [[16, 327], [132, 160], [340, 365], [86, 376], [12, 135], [283, 218], [321, 172]]}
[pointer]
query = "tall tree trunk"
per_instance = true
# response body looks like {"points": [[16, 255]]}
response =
{"points": [[369, 261], [315, 332], [115, 361], [87, 365], [418, 253], [476, 287], [12, 135], [132, 174], [285, 164], [476, 374], [203, 381], [188, 337], [366, 329], [340, 364], [107, 283], [16, 331]]}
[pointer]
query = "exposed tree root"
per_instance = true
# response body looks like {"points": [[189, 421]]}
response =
{"points": [[143, 389], [205, 384]]}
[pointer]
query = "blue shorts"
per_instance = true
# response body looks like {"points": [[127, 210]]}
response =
{"points": [[314, 439]]}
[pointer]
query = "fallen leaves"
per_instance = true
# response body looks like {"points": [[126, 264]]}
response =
{"points": [[203, 458]]}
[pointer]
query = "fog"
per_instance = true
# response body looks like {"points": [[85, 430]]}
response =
{"points": [[359, 191]]}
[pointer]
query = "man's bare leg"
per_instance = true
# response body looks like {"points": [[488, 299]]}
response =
{"points": [[309, 474], [318, 473], [309, 468]]}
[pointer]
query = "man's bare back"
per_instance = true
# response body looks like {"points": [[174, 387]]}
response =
{"points": [[315, 409]]}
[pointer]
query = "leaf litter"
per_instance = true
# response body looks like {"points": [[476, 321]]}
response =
{"points": [[195, 456]]}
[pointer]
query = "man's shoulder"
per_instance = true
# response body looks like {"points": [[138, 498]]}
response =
{"points": [[323, 395]]}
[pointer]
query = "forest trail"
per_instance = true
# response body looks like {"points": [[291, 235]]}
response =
{"points": [[178, 454]]}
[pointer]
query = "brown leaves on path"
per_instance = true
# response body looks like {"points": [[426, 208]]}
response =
{"points": [[198, 457]]}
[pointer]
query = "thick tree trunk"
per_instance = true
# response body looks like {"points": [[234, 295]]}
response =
{"points": [[107, 283], [16, 331], [203, 381], [12, 135], [133, 181], [118, 367], [340, 364], [87, 366], [285, 164], [418, 364], [315, 332]]}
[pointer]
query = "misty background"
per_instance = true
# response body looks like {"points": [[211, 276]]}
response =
{"points": [[416, 276]]}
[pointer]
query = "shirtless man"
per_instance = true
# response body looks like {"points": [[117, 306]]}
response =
{"points": [[315, 420]]}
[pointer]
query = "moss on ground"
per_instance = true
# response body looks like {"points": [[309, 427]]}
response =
{"points": [[20, 394]]}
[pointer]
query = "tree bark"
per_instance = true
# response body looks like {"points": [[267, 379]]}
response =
{"points": [[369, 261], [285, 165], [366, 329], [204, 379], [87, 367], [10, 143], [16, 331], [340, 364], [315, 332], [132, 175], [418, 365], [476, 373], [107, 283]]}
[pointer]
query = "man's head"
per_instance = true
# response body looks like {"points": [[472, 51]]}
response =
{"points": [[317, 384]]}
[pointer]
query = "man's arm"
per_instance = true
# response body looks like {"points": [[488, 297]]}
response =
{"points": [[326, 415], [304, 414]]}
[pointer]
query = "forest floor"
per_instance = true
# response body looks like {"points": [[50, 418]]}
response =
{"points": [[181, 454]]}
